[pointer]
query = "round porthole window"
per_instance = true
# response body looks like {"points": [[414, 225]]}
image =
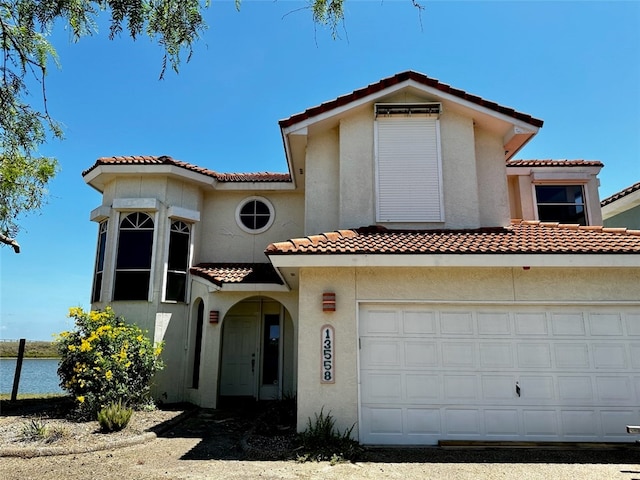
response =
{"points": [[255, 214]]}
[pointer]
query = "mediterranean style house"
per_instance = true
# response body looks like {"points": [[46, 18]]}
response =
{"points": [[406, 274]]}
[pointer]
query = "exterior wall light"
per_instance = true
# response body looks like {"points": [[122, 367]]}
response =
{"points": [[328, 302], [214, 316]]}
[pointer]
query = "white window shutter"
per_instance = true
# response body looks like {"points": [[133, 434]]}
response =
{"points": [[408, 170]]}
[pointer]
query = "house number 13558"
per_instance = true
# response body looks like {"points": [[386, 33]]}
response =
{"points": [[328, 355]]}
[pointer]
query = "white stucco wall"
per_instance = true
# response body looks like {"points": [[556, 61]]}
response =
{"points": [[222, 240], [322, 195], [493, 196], [502, 285]]}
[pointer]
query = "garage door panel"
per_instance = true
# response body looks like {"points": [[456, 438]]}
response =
{"points": [[537, 388], [614, 389], [615, 423], [420, 353], [531, 323], [456, 323], [449, 372], [541, 423], [423, 421], [462, 421], [382, 387], [460, 387], [498, 387], [605, 324], [422, 388], [419, 323], [496, 355], [502, 423], [609, 356], [533, 355], [583, 424], [570, 356], [494, 323], [568, 324], [632, 321], [575, 388], [458, 354], [381, 322], [378, 352]]}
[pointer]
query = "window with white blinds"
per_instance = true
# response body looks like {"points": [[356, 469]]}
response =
{"points": [[409, 185]]}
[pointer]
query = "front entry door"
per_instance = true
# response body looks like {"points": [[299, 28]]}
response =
{"points": [[239, 356]]}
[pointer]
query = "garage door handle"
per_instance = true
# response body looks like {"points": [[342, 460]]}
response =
{"points": [[518, 388]]}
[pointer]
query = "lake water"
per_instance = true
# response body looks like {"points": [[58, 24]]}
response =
{"points": [[39, 375]]}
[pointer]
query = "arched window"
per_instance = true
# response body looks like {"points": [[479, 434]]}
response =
{"points": [[178, 262], [133, 263]]}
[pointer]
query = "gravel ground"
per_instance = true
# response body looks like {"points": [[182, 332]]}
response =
{"points": [[213, 445]]}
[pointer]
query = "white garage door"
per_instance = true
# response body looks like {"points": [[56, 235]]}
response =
{"points": [[478, 372]]}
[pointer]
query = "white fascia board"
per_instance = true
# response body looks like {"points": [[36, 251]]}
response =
{"points": [[254, 287], [452, 260], [621, 205], [255, 186]]}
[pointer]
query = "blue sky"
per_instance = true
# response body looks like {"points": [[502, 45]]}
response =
{"points": [[576, 65]]}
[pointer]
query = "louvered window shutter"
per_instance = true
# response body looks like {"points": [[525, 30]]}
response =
{"points": [[408, 170]]}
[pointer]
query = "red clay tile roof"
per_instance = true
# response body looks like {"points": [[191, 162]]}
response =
{"points": [[166, 160], [622, 193], [554, 163], [219, 273], [521, 237], [399, 78]]}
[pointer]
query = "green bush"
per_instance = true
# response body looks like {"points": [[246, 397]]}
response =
{"points": [[34, 429], [114, 417], [322, 441], [105, 360]]}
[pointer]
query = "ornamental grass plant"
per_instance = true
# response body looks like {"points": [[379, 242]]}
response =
{"points": [[105, 360]]}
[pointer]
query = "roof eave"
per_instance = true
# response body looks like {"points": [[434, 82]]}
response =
{"points": [[484, 260]]}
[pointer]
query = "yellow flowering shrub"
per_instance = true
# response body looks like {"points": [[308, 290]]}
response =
{"points": [[106, 360]]}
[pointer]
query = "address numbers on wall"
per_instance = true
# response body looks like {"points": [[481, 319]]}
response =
{"points": [[327, 348]]}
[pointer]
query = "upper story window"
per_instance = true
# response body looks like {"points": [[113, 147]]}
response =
{"points": [[408, 163], [133, 262], [561, 203], [99, 269], [178, 262], [255, 214]]}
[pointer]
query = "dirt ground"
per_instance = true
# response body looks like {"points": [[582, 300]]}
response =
{"points": [[217, 445]]}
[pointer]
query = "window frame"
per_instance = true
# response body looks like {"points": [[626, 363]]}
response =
{"points": [[584, 204], [246, 201], [101, 253], [168, 270], [121, 216]]}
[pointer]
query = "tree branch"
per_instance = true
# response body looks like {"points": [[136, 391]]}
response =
{"points": [[10, 241]]}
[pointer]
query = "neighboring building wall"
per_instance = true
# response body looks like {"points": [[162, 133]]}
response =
{"points": [[629, 219], [351, 285]]}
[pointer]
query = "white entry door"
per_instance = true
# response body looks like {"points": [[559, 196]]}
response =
{"points": [[239, 356], [498, 372]]}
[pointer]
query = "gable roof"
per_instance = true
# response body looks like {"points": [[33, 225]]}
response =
{"points": [[521, 237], [397, 79], [554, 163], [621, 194], [236, 273], [166, 160]]}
